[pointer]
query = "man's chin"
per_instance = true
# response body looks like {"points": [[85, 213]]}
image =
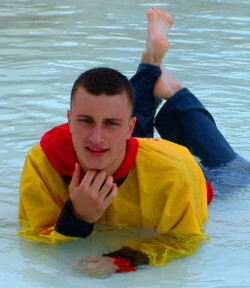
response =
{"points": [[97, 167]]}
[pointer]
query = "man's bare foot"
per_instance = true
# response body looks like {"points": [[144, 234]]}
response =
{"points": [[159, 24], [166, 85]]}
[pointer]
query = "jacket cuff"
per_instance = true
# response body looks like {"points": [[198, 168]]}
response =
{"points": [[69, 225], [136, 257]]}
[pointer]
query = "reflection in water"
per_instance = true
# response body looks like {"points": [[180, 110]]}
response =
{"points": [[45, 46]]}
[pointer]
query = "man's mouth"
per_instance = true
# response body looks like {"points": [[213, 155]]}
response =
{"points": [[96, 151]]}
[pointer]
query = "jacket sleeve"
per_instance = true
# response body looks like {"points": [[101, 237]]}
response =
{"points": [[180, 226], [159, 250], [43, 194]]}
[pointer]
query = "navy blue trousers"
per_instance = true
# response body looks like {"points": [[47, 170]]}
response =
{"points": [[181, 119]]}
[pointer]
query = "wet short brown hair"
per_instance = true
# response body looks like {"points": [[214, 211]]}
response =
{"points": [[103, 80]]}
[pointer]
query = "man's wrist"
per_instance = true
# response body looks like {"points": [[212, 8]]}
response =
{"points": [[68, 224]]}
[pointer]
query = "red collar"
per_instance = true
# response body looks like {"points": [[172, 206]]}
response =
{"points": [[58, 147]]}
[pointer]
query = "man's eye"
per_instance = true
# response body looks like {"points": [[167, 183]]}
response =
{"points": [[112, 123], [85, 120]]}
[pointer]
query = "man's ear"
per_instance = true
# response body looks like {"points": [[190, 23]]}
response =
{"points": [[132, 122], [69, 114]]}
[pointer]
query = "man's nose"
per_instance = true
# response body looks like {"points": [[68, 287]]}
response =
{"points": [[97, 134]]}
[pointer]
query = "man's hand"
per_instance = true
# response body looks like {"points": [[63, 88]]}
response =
{"points": [[98, 267], [92, 195]]}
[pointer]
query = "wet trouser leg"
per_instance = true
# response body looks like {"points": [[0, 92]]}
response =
{"points": [[145, 104], [185, 121], [182, 119]]}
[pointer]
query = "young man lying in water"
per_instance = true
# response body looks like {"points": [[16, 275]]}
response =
{"points": [[92, 169]]}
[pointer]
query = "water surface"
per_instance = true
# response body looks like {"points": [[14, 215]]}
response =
{"points": [[44, 47]]}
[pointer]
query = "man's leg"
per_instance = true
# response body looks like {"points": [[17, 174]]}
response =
{"points": [[159, 24], [184, 120], [145, 104]]}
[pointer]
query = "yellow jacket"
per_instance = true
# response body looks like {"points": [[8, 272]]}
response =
{"points": [[164, 190]]}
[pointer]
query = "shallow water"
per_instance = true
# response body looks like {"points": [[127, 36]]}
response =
{"points": [[44, 47]]}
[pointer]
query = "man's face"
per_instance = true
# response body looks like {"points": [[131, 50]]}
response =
{"points": [[100, 126]]}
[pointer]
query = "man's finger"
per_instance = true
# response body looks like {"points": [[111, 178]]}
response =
{"points": [[99, 181], [88, 178], [91, 259], [106, 188], [75, 181], [110, 196]]}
